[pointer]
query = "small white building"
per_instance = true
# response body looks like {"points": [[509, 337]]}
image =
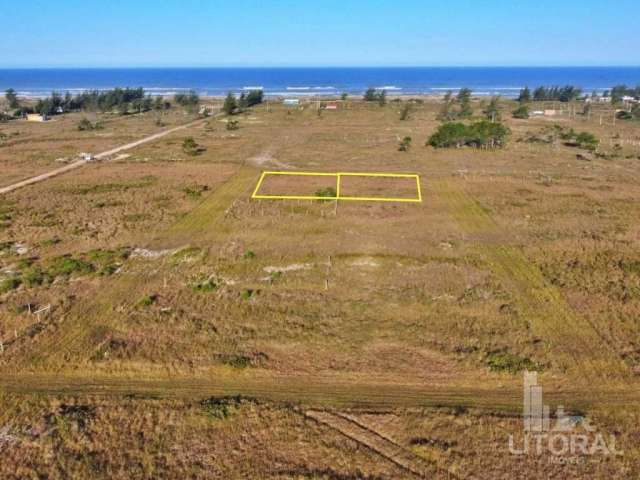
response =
{"points": [[37, 117], [291, 102]]}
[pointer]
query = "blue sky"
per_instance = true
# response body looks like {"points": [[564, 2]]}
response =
{"points": [[112, 33]]}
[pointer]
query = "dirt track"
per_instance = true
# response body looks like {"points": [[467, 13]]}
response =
{"points": [[100, 156]]}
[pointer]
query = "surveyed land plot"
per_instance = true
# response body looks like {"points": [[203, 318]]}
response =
{"points": [[354, 186]]}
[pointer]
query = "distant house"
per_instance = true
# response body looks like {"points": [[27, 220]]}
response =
{"points": [[331, 106], [291, 101], [37, 117]]}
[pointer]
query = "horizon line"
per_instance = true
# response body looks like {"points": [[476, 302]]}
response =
{"points": [[149, 67]]}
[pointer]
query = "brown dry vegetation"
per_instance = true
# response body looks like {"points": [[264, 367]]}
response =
{"points": [[160, 268]]}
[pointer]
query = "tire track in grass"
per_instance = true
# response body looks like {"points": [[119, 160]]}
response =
{"points": [[199, 223], [93, 317], [572, 342], [381, 445]]}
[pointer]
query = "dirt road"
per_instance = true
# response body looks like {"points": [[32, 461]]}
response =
{"points": [[100, 156]]}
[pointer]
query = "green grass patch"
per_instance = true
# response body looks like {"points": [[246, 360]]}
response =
{"points": [[113, 187], [148, 300], [508, 362], [66, 265], [9, 284], [221, 408]]}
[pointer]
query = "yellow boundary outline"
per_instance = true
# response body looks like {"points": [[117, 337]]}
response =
{"points": [[338, 176]]}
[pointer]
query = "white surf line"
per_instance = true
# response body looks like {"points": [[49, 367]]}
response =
{"points": [[79, 163]]}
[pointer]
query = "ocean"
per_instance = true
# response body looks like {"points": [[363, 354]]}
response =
{"points": [[296, 82]]}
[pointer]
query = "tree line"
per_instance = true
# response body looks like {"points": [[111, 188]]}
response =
{"points": [[567, 93], [121, 100], [233, 105]]}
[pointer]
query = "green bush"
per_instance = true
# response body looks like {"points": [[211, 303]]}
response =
{"points": [[328, 192], [148, 300], [508, 362], [206, 285], [67, 265], [191, 147], [9, 284], [483, 134], [521, 112], [405, 144], [34, 276]]}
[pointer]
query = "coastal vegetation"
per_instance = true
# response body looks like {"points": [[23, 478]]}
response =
{"points": [[567, 93], [456, 107], [233, 105], [482, 134], [373, 95], [189, 101]]}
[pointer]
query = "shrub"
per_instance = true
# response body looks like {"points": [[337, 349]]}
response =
{"points": [[233, 125], [405, 144], [483, 134], [9, 284], [587, 140], [148, 300], [206, 285], [329, 192], [508, 362], [191, 147], [247, 293], [521, 112], [221, 408], [34, 276], [67, 265], [195, 191], [405, 112]]}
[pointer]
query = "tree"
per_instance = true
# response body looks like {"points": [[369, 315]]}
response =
{"points": [[405, 112], [521, 112], [370, 95], [230, 104], [12, 98], [540, 94], [255, 97], [242, 102], [158, 104], [445, 112], [464, 100], [525, 95], [188, 101], [382, 98], [344, 96], [492, 111]]}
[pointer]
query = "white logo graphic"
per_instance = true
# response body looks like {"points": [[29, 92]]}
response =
{"points": [[566, 439]]}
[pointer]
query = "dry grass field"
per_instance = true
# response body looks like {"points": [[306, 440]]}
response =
{"points": [[194, 332]]}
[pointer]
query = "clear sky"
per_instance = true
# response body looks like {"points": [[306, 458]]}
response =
{"points": [[112, 33]]}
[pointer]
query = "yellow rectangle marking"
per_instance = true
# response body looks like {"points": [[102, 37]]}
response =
{"points": [[338, 176]]}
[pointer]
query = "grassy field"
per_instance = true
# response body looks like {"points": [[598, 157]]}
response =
{"points": [[208, 334]]}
